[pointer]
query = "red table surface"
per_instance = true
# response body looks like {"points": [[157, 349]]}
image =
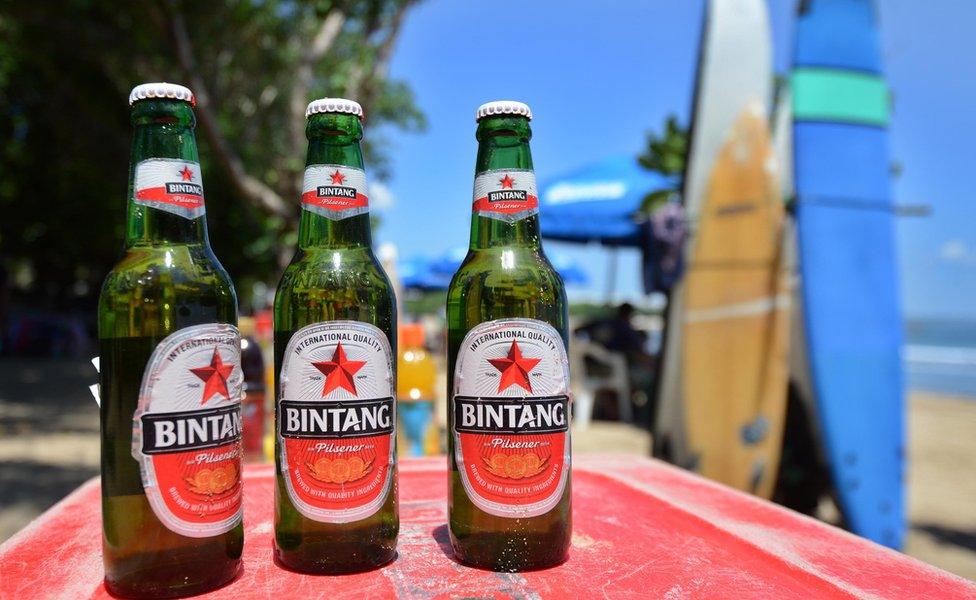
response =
{"points": [[641, 529]]}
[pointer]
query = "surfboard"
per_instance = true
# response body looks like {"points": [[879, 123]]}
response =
{"points": [[736, 315], [845, 222], [721, 388]]}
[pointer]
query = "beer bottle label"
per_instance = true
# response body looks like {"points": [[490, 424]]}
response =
{"points": [[334, 191], [170, 184], [186, 431], [511, 417], [506, 194], [336, 420]]}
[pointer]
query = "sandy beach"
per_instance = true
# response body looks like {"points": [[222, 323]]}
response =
{"points": [[49, 445]]}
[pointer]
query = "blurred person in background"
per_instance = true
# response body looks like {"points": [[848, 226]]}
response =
{"points": [[617, 333]]}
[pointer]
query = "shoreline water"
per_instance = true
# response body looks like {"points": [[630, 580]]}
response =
{"points": [[941, 369]]}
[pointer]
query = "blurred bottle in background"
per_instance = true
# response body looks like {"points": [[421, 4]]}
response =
{"points": [[264, 332], [253, 406], [416, 385]]}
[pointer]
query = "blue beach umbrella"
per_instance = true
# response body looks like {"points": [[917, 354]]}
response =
{"points": [[416, 274], [444, 266], [597, 202], [448, 262], [571, 272]]}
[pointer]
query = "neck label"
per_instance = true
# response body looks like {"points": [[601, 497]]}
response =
{"points": [[337, 421], [186, 432], [506, 195], [511, 417], [334, 191], [171, 185]]}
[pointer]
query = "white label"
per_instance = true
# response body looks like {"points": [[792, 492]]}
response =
{"points": [[511, 417], [337, 420], [187, 430], [169, 184], [507, 195], [334, 191]]}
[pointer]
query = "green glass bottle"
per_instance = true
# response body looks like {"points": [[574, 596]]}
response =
{"points": [[508, 415], [170, 374], [335, 349]]}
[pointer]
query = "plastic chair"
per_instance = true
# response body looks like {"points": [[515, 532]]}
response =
{"points": [[586, 385]]}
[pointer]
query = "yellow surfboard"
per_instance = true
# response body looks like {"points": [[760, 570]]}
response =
{"points": [[735, 326]]}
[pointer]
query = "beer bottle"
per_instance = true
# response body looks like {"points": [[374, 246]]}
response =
{"points": [[335, 349], [170, 374], [508, 415]]}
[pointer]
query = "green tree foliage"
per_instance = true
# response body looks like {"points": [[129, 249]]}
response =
{"points": [[665, 153], [66, 67]]}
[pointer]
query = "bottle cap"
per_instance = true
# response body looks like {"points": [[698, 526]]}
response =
{"points": [[334, 105], [503, 107], [162, 89]]}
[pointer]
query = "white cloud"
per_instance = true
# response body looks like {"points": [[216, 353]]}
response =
{"points": [[380, 196], [957, 251]]}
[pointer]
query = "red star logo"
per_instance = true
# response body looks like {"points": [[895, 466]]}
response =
{"points": [[186, 173], [507, 181], [214, 377], [339, 371], [338, 178], [514, 368]]}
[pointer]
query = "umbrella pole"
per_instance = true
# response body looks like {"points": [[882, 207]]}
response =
{"points": [[611, 276]]}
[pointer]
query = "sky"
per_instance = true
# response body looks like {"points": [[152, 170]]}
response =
{"points": [[598, 80]]}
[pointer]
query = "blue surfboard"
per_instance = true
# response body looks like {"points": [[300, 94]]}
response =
{"points": [[845, 222]]}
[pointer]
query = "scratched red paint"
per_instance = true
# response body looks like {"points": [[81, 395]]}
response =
{"points": [[642, 529]]}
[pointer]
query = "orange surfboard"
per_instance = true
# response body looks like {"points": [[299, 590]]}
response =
{"points": [[735, 322]]}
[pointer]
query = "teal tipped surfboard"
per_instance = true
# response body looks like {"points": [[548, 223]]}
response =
{"points": [[845, 222]]}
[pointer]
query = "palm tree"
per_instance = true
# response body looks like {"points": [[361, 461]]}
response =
{"points": [[665, 154]]}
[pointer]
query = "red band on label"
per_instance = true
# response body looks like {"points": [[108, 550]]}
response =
{"points": [[507, 207], [334, 202], [334, 475], [514, 470], [159, 194], [200, 491]]}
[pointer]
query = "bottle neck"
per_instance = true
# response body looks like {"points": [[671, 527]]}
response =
{"points": [[334, 139], [503, 143], [163, 130]]}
